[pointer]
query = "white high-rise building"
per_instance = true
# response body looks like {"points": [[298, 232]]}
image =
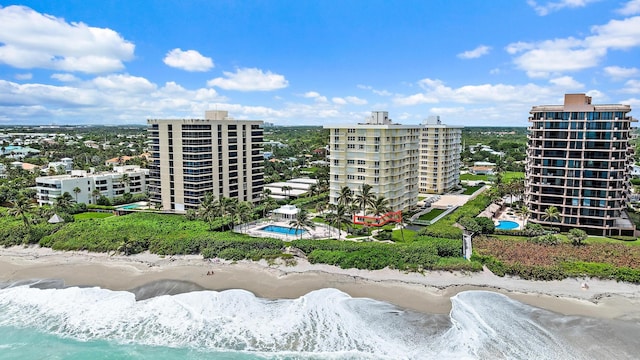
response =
{"points": [[191, 157], [439, 156], [379, 153]]}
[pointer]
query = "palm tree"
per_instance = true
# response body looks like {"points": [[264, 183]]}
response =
{"points": [[209, 209], [365, 198], [313, 190], [551, 214], [76, 191], [286, 189], [94, 194], [229, 209], [524, 212], [337, 216], [346, 196], [245, 212], [379, 206], [64, 201], [268, 204], [302, 222], [21, 208]]}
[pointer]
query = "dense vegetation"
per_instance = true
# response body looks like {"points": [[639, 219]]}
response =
{"points": [[551, 260]]}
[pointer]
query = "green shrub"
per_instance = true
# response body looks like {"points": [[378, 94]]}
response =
{"points": [[548, 239]]}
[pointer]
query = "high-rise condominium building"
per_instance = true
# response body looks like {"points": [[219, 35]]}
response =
{"points": [[191, 157], [578, 160], [439, 156], [379, 153]]}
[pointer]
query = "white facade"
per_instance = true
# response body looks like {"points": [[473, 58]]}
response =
{"points": [[109, 184], [440, 148], [378, 153]]}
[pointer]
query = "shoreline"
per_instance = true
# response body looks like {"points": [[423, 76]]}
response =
{"points": [[428, 293]]}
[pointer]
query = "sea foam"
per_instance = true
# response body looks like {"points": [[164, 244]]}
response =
{"points": [[325, 323]]}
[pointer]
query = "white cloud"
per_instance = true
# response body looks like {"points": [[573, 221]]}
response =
{"points": [[356, 100], [108, 99], [33, 40], [65, 77], [617, 72], [315, 95], [632, 87], [630, 8], [249, 79], [567, 83], [349, 100], [375, 91], [339, 101], [494, 71], [475, 53], [25, 76], [189, 60], [435, 91], [555, 56], [126, 83], [550, 7]]}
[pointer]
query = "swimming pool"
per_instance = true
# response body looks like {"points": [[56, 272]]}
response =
{"points": [[282, 230], [507, 225], [131, 206]]}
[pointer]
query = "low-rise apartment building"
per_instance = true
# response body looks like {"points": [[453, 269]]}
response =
{"points": [[123, 179]]}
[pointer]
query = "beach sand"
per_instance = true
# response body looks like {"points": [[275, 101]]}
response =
{"points": [[429, 292]]}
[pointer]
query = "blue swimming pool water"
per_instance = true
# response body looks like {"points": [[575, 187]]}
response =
{"points": [[283, 230], [507, 225], [131, 206]]}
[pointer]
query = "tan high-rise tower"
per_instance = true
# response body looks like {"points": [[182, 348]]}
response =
{"points": [[190, 157]]}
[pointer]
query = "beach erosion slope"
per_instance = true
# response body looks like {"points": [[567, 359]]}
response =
{"points": [[148, 275]]}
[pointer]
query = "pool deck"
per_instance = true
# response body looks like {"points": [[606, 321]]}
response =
{"points": [[322, 231], [504, 215]]}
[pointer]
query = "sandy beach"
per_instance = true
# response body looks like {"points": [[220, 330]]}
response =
{"points": [[429, 292]]}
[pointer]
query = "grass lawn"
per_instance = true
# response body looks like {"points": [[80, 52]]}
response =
{"points": [[469, 190], [474, 177], [91, 215], [510, 175], [320, 220], [409, 235], [431, 214]]}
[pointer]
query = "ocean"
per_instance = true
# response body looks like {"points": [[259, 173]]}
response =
{"points": [[43, 320]]}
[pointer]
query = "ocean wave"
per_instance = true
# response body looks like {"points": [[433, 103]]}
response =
{"points": [[325, 323]]}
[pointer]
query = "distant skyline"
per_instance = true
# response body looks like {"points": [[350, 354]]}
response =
{"points": [[474, 63]]}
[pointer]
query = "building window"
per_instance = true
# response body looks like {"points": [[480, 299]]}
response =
{"points": [[351, 138], [350, 162], [335, 177], [361, 147], [351, 131], [350, 177], [361, 178], [351, 146], [361, 162], [336, 162], [361, 170], [362, 138]]}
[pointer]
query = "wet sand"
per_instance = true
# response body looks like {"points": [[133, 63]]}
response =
{"points": [[429, 292]]}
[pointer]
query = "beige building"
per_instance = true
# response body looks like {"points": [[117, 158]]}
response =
{"points": [[379, 153], [579, 160], [190, 157], [440, 150]]}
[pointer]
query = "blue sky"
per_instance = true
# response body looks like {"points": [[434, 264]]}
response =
{"points": [[474, 63]]}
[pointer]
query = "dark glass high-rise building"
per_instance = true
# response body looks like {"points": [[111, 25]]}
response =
{"points": [[578, 160]]}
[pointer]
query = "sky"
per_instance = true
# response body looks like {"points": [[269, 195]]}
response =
{"points": [[472, 62]]}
